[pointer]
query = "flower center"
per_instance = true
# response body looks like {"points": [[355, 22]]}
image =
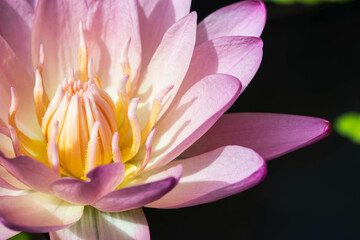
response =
{"points": [[82, 126]]}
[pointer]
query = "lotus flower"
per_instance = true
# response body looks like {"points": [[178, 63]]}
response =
{"points": [[109, 106]]}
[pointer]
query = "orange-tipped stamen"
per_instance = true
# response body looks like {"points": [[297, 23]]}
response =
{"points": [[83, 56], [130, 152], [115, 148], [155, 109], [125, 64], [148, 148]]}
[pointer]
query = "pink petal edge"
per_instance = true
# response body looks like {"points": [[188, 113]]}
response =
{"points": [[270, 134], [141, 191], [214, 175]]}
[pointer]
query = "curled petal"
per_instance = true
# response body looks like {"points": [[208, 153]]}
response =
{"points": [[102, 180], [143, 191], [32, 173]]}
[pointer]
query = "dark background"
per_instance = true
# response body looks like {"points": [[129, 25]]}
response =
{"points": [[310, 67]]}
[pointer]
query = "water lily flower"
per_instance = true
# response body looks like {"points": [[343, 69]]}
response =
{"points": [[109, 106]]}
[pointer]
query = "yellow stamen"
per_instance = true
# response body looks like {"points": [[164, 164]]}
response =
{"points": [[53, 139], [115, 148], [34, 148], [155, 109], [41, 101], [145, 161], [91, 72], [55, 162], [83, 56], [93, 150], [130, 151], [122, 109]]}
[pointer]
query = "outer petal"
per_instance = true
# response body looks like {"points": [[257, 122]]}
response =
{"points": [[191, 115], [101, 225], [6, 233], [214, 175], [156, 16], [103, 180], [30, 172], [235, 55], [169, 64], [13, 74], [6, 146], [16, 18], [269, 134], [245, 18], [37, 212], [144, 191], [108, 25]]}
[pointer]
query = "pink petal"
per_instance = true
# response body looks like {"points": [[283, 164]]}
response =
{"points": [[6, 233], [156, 16], [269, 134], [16, 18], [103, 225], [245, 18], [108, 25], [235, 55], [143, 191], [191, 115], [169, 64], [214, 175], [6, 146], [10, 180], [102, 180], [37, 212], [9, 192], [30, 172], [13, 74]]}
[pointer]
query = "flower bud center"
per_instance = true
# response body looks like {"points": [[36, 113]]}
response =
{"points": [[76, 107]]}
